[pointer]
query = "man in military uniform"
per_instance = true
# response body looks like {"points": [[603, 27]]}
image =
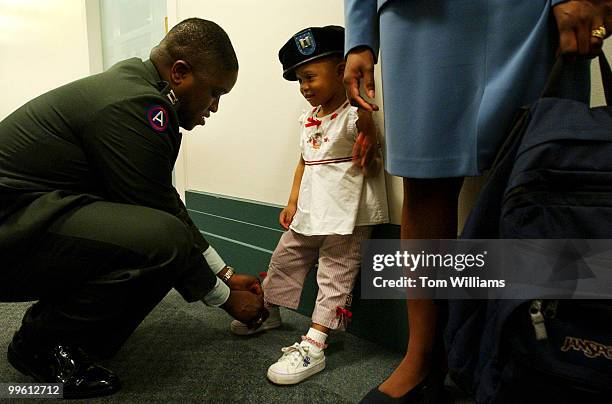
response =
{"points": [[90, 224]]}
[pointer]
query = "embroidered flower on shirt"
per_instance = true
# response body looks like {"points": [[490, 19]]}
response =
{"points": [[315, 141]]}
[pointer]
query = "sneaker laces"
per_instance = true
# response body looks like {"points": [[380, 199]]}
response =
{"points": [[294, 354]]}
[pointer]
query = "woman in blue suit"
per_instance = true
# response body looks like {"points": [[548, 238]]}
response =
{"points": [[454, 72]]}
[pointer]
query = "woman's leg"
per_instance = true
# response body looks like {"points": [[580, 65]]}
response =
{"points": [[429, 212]]}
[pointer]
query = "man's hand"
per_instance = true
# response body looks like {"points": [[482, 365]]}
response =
{"points": [[245, 282], [246, 307], [576, 20], [360, 65], [286, 216]]}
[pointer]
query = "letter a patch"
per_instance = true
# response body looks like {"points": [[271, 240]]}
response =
{"points": [[158, 118]]}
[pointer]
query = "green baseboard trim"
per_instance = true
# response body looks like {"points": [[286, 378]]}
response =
{"points": [[259, 213], [246, 232]]}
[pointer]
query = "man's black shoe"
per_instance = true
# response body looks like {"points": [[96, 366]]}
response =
{"points": [[63, 364]]}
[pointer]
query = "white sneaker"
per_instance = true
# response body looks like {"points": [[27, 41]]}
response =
{"points": [[297, 363], [274, 321]]}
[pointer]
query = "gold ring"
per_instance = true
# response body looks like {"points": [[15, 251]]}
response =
{"points": [[599, 32]]}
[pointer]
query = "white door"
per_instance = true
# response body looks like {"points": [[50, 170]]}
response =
{"points": [[130, 28]]}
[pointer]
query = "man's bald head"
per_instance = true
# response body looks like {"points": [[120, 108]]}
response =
{"points": [[201, 43]]}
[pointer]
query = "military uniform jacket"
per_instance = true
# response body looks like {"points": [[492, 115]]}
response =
{"points": [[113, 136]]}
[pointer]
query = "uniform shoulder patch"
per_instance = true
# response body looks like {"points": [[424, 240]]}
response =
{"points": [[158, 118]]}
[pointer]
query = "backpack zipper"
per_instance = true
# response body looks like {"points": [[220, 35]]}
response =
{"points": [[538, 320], [600, 194], [539, 311]]}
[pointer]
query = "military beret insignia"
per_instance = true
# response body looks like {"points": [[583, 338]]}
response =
{"points": [[305, 42]]}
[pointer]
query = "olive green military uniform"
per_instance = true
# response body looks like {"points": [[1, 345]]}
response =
{"points": [[90, 224]]}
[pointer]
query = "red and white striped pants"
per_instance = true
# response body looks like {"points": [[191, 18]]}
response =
{"points": [[339, 260]]}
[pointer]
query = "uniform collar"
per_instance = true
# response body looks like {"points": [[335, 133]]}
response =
{"points": [[162, 85]]}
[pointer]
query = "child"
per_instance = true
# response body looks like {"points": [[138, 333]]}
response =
{"points": [[334, 201]]}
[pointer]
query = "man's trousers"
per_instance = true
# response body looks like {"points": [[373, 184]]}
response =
{"points": [[98, 271]]}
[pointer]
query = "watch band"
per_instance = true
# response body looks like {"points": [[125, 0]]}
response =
{"points": [[228, 274]]}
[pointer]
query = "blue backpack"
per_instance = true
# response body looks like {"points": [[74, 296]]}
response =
{"points": [[552, 179]]}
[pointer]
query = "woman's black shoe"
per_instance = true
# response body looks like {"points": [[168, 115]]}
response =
{"points": [[414, 395], [63, 364], [430, 390]]}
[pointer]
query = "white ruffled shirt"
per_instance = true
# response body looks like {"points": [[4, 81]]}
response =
{"points": [[334, 195]]}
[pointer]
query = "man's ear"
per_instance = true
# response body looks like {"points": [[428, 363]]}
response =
{"points": [[180, 71], [340, 69]]}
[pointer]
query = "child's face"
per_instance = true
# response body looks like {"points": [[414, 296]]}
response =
{"points": [[320, 81]]}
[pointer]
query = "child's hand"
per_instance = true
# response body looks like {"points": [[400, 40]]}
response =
{"points": [[365, 156], [286, 216], [365, 149]]}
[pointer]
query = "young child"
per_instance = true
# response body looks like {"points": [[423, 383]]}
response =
{"points": [[338, 193]]}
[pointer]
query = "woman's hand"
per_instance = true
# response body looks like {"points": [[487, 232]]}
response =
{"points": [[360, 65], [576, 21]]}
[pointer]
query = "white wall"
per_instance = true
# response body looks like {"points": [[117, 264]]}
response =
{"points": [[249, 149], [43, 44]]}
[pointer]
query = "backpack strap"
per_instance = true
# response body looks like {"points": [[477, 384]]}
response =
{"points": [[567, 79]]}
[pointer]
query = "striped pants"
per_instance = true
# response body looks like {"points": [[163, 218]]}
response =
{"points": [[339, 261]]}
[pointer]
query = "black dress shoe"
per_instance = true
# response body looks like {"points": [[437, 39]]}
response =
{"points": [[414, 395], [430, 390], [63, 364]]}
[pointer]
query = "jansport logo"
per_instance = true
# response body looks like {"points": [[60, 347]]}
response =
{"points": [[590, 349]]}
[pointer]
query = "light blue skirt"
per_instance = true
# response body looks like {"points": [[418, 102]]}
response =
{"points": [[454, 74]]}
